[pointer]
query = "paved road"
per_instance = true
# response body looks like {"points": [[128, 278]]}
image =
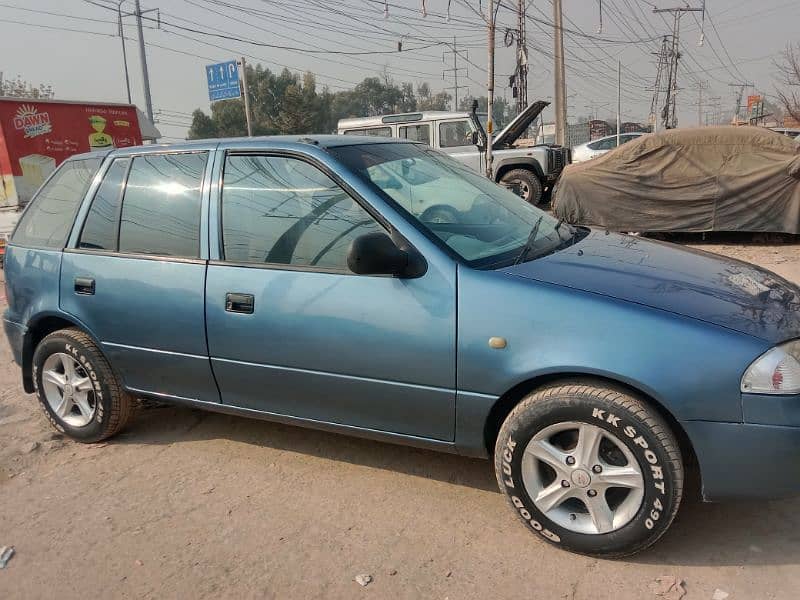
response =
{"points": [[193, 505]]}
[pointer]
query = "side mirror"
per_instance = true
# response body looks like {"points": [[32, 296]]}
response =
{"points": [[377, 254], [475, 138]]}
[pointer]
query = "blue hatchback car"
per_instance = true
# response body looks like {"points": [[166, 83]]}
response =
{"points": [[381, 289]]}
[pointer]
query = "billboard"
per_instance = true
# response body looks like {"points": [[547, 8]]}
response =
{"points": [[755, 107], [36, 137]]}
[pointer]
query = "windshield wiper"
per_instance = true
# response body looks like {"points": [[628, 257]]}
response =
{"points": [[529, 244]]}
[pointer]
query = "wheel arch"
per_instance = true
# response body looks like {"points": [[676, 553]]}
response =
{"points": [[528, 163], [506, 403], [38, 328]]}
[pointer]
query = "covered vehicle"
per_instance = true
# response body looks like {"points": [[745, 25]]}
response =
{"points": [[705, 179]]}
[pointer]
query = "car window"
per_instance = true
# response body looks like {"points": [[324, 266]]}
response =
{"points": [[375, 131], [102, 223], [161, 206], [482, 222], [417, 133], [47, 221], [281, 210], [455, 133]]}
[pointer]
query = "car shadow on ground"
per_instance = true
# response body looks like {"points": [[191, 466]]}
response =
{"points": [[737, 533]]}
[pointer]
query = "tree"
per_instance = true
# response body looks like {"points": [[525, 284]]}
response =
{"points": [[502, 111], [789, 70], [289, 103], [19, 88]]}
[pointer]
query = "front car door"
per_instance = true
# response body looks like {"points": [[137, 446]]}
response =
{"points": [[455, 138], [133, 273], [293, 332]]}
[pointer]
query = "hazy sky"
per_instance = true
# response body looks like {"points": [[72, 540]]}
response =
{"points": [[742, 38]]}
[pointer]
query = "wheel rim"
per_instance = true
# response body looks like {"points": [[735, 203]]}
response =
{"points": [[583, 478], [68, 390]]}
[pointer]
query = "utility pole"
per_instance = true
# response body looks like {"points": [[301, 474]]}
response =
{"points": [[619, 100], [490, 22], [124, 51], [663, 59], [143, 56], [246, 99], [701, 86], [522, 59], [454, 70], [669, 112], [561, 90], [740, 87]]}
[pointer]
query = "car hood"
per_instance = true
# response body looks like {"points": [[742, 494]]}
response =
{"points": [[688, 282], [509, 134]]}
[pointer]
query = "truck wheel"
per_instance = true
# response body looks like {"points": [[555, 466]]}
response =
{"points": [[590, 468], [77, 389], [525, 183]]}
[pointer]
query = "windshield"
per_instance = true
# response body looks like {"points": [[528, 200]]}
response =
{"points": [[482, 222]]}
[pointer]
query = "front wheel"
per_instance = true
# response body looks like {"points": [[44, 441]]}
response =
{"points": [[524, 183], [590, 468]]}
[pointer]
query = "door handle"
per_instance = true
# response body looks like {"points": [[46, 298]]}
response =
{"points": [[239, 303], [84, 286]]}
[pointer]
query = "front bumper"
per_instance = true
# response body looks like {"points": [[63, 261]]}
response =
{"points": [[746, 460], [16, 338]]}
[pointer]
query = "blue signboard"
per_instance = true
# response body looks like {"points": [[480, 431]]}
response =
{"points": [[223, 81]]}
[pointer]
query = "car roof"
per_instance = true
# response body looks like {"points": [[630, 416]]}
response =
{"points": [[298, 142], [412, 117]]}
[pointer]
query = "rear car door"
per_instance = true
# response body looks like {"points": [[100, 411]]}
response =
{"points": [[134, 272], [292, 331]]}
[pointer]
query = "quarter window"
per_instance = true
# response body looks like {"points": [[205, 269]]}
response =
{"points": [[47, 221], [417, 133], [102, 223], [161, 206], [455, 133], [283, 210]]}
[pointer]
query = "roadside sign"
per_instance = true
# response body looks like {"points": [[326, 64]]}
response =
{"points": [[223, 81]]}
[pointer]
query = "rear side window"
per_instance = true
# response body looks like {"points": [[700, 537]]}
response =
{"points": [[279, 210], [47, 221], [102, 223], [161, 205], [417, 133]]}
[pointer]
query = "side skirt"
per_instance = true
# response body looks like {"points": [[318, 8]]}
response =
{"points": [[361, 432]]}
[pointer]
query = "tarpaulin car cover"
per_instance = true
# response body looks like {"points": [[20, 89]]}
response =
{"points": [[704, 179]]}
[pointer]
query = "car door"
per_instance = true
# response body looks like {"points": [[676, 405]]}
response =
{"points": [[292, 331], [455, 139], [134, 273]]}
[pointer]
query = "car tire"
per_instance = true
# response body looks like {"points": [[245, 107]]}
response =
{"points": [[77, 388], [612, 495], [530, 188]]}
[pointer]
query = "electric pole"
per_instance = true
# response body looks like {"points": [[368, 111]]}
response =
{"points": [[737, 110], [143, 56], [561, 90], [121, 31], [669, 112], [454, 70], [663, 60], [522, 60], [246, 99], [490, 22], [701, 86], [619, 100]]}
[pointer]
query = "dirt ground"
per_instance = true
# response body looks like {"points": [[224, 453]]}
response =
{"points": [[187, 504]]}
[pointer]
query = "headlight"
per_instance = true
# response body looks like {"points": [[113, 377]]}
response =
{"points": [[775, 372]]}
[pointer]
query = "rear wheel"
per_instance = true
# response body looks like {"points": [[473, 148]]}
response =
{"points": [[77, 389], [525, 183], [591, 468]]}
